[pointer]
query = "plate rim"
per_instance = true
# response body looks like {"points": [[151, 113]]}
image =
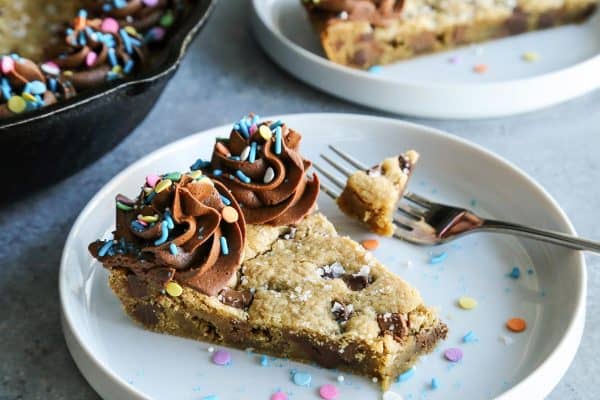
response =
{"points": [[265, 29], [557, 362]]}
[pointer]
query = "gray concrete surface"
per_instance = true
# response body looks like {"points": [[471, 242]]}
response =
{"points": [[560, 147]]}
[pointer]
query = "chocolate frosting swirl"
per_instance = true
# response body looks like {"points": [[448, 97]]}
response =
{"points": [[141, 14], [96, 52], [374, 11], [180, 229], [25, 87], [266, 174]]}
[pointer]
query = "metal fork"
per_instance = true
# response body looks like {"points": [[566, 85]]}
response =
{"points": [[424, 222]]}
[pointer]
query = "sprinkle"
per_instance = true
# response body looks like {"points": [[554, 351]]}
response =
{"points": [[7, 65], [264, 361], [389, 395], [252, 155], [530, 56], [507, 340], [105, 248], [434, 384], [221, 357], [454, 60], [302, 378], [469, 337], [200, 163], [406, 375], [164, 234], [230, 215], [530, 271], [242, 177], [211, 349], [269, 175], [217, 172], [340, 378], [173, 249], [174, 289], [370, 244], [453, 354], [279, 396], [138, 226], [481, 68], [225, 200], [516, 325], [167, 19], [245, 153], [195, 174], [211, 397], [148, 218], [438, 258], [17, 104], [169, 220], [90, 58], [162, 185], [374, 379], [276, 124], [123, 207], [173, 176], [224, 246], [38, 87], [467, 303], [278, 140], [328, 392], [375, 69], [150, 197], [112, 57], [222, 149], [515, 273], [265, 132], [109, 25]]}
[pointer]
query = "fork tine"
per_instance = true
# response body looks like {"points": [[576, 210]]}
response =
{"points": [[344, 171], [329, 191], [329, 176], [415, 198], [355, 163], [411, 211], [404, 223]]}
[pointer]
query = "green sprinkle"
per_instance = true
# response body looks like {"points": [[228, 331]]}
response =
{"points": [[167, 19], [123, 207]]}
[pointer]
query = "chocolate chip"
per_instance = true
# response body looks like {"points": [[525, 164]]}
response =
{"points": [[146, 314], [136, 287], [460, 35], [394, 324], [405, 165], [548, 19], [235, 298], [517, 22], [423, 42], [359, 58], [426, 340], [341, 312], [356, 282]]}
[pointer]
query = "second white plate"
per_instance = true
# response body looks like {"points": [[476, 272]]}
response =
{"points": [[432, 86]]}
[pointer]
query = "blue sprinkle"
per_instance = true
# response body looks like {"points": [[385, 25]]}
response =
{"points": [[164, 234], [112, 57], [120, 3], [224, 246], [173, 249], [235, 158], [27, 88], [302, 378], [276, 124], [150, 197], [53, 84], [243, 128], [169, 220], [82, 13], [278, 140], [530, 271], [217, 172], [126, 41], [469, 337], [264, 361], [82, 39], [255, 119], [252, 155], [199, 164], [105, 248], [473, 203], [135, 224], [129, 66], [225, 200], [515, 273], [403, 377], [435, 384], [106, 7], [242, 176], [211, 397], [438, 258], [375, 69]]}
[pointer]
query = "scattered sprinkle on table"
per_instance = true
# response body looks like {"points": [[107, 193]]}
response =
{"points": [[435, 384], [301, 378], [454, 60], [438, 258], [211, 397], [221, 357], [530, 56], [375, 69], [467, 303], [469, 337], [174, 289], [328, 392], [279, 396], [389, 395], [370, 244], [340, 378], [264, 361], [453, 354], [530, 271], [507, 340], [480, 68], [516, 325], [406, 375], [211, 349], [515, 273]]}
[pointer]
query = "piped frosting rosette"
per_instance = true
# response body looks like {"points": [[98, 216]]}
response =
{"points": [[182, 230], [25, 87], [260, 163], [99, 50]]}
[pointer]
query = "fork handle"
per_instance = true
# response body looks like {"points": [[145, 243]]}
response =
{"points": [[553, 237]]}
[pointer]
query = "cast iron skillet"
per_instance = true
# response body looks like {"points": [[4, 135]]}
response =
{"points": [[40, 147]]}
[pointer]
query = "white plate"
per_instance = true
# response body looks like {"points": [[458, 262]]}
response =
{"points": [[431, 86], [123, 361]]}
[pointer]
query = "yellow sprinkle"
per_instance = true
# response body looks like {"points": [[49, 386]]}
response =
{"points": [[162, 185], [16, 104], [68, 73], [29, 97], [230, 215], [117, 69], [148, 218], [265, 132], [195, 174], [467, 303], [131, 30], [530, 56], [174, 289]]}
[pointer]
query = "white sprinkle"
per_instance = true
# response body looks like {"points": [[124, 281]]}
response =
{"points": [[374, 379], [340, 378], [407, 263], [245, 153], [343, 15], [507, 340], [389, 395], [365, 270], [211, 349], [269, 175]]}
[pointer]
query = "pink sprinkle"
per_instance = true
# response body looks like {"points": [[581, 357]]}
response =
{"points": [[91, 58], [152, 180], [141, 221], [158, 33], [51, 68], [7, 65], [453, 60], [109, 25], [453, 354], [253, 129], [150, 3], [328, 392], [221, 357], [279, 396]]}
